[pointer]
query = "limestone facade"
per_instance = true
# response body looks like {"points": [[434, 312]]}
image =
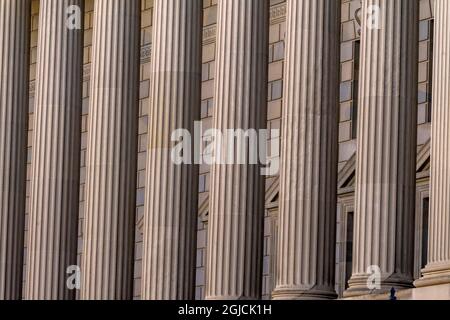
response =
{"points": [[133, 256]]}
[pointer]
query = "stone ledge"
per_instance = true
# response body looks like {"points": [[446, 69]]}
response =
{"points": [[439, 292]]}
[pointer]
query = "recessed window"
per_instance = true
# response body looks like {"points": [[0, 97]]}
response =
{"points": [[349, 249], [425, 217], [355, 90]]}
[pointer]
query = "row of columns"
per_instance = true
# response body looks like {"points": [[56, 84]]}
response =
{"points": [[385, 177]]}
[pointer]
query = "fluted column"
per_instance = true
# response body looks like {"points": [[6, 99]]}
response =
{"points": [[170, 216], [14, 88], [55, 170], [386, 159], [234, 257], [437, 270], [308, 179], [107, 270]]}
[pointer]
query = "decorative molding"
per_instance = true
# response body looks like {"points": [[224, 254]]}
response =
{"points": [[209, 35], [146, 52], [346, 176], [422, 192], [86, 72], [32, 88], [203, 209], [140, 225], [271, 192], [278, 13], [423, 169], [423, 158]]}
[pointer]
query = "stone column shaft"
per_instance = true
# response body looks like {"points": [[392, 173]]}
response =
{"points": [[108, 253], [234, 256], [14, 88], [308, 179], [54, 202], [386, 159], [170, 220], [437, 270]]}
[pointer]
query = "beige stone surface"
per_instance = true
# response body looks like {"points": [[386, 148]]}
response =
{"points": [[386, 155], [437, 270], [107, 269], [14, 60], [436, 292], [375, 233], [236, 205], [52, 238], [170, 215], [307, 217]]}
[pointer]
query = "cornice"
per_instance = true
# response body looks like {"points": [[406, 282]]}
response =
{"points": [[277, 15]]}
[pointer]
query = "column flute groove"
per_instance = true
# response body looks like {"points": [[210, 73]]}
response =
{"points": [[107, 269], [234, 255], [55, 169], [170, 220], [14, 89], [386, 153], [308, 179]]}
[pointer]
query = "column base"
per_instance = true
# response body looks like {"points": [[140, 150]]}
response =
{"points": [[434, 274], [304, 294], [358, 285]]}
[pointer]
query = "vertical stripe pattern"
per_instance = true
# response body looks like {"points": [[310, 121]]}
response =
{"points": [[55, 170], [14, 77], [437, 270], [386, 158], [308, 180], [234, 255], [171, 203], [108, 232]]}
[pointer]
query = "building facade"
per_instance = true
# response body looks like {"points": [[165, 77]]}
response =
{"points": [[354, 93]]}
